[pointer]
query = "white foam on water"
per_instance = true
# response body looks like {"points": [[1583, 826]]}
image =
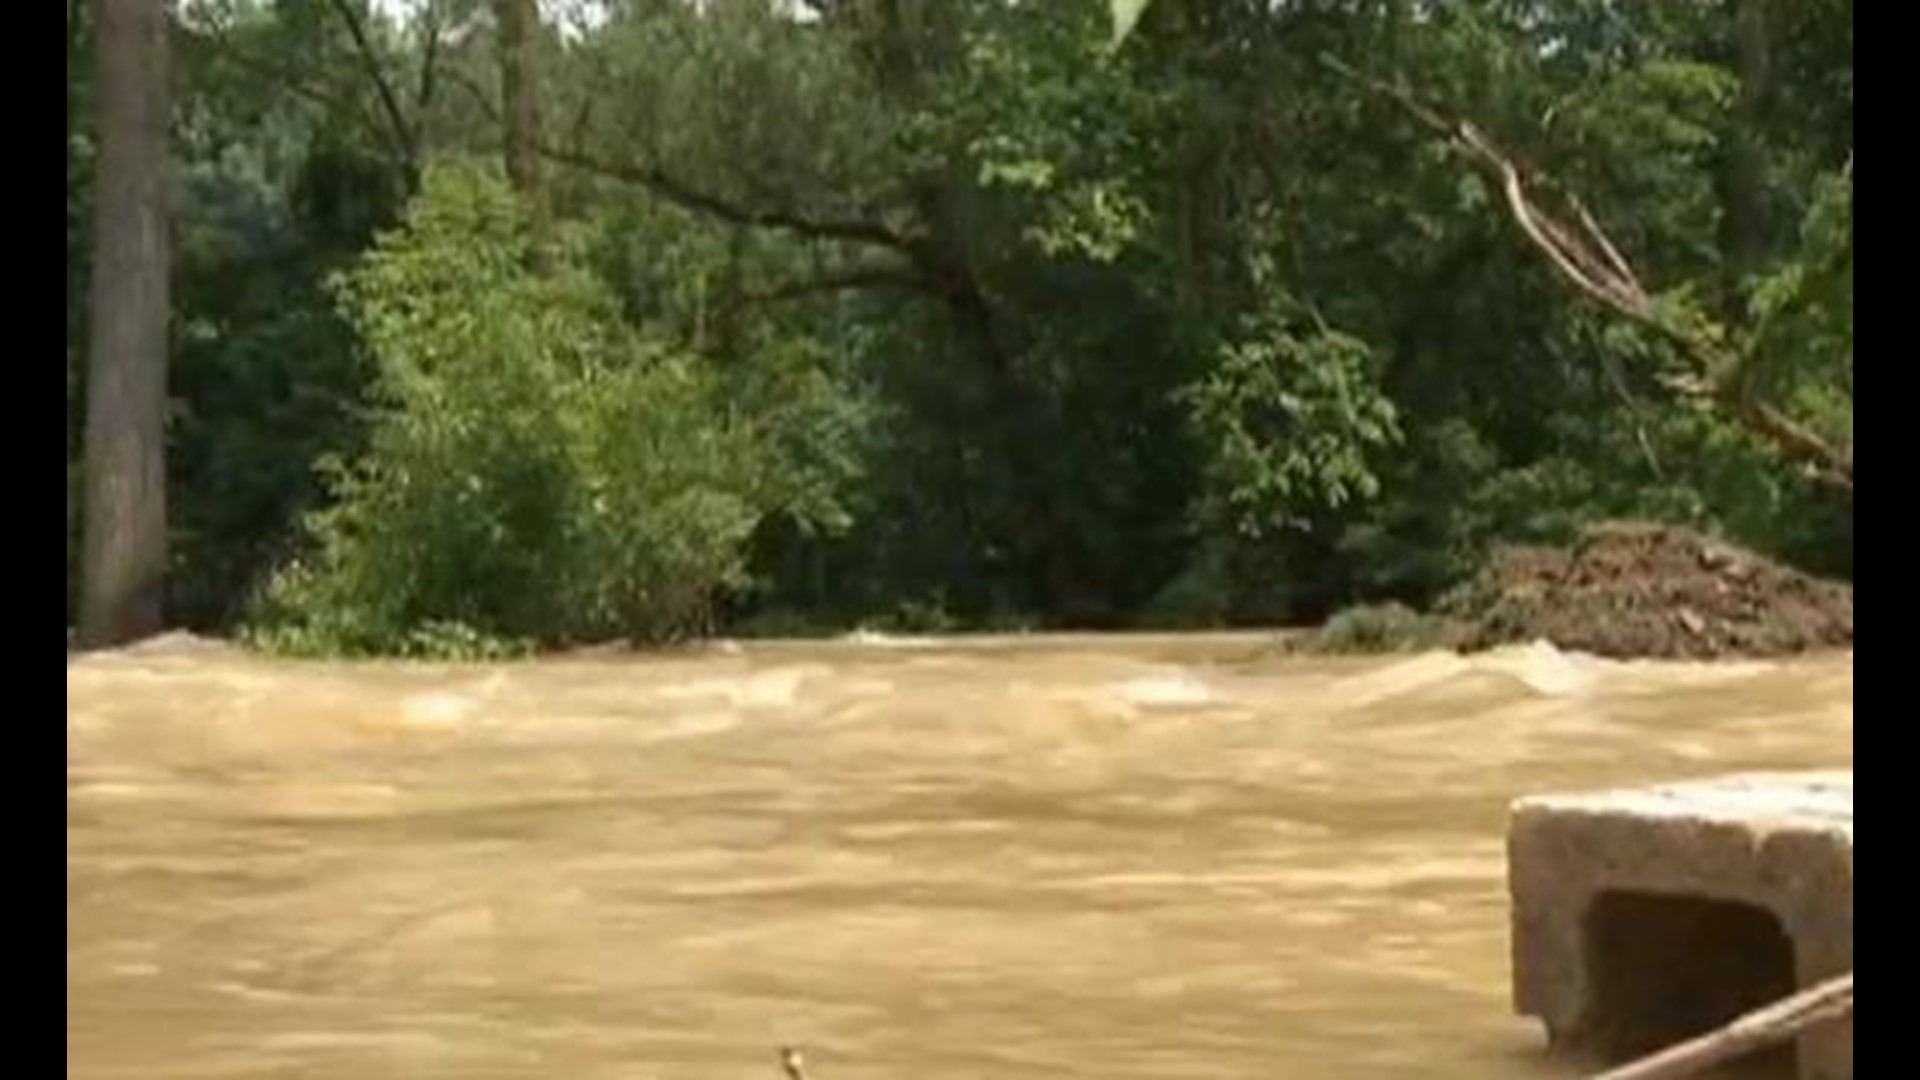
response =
{"points": [[1171, 690], [1543, 668], [1377, 684], [881, 639], [436, 711], [774, 688]]}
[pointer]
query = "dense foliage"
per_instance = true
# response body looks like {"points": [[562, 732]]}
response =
{"points": [[962, 313]]}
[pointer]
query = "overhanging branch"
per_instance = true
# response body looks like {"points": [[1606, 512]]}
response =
{"points": [[1586, 258], [683, 194], [687, 196]]}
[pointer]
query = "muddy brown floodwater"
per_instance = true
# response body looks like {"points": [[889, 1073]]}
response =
{"points": [[1097, 858]]}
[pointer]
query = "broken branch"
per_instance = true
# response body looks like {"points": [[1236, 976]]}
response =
{"points": [[1584, 256]]}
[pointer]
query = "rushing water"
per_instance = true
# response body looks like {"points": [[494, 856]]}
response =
{"points": [[1101, 858]]}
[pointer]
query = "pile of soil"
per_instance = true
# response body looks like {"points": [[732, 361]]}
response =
{"points": [[1646, 591]]}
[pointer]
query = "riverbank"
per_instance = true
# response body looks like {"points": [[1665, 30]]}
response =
{"points": [[1624, 591]]}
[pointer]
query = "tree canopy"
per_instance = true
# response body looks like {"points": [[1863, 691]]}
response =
{"points": [[521, 324]]}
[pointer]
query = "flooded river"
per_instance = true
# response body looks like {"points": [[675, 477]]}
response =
{"points": [[1096, 858]]}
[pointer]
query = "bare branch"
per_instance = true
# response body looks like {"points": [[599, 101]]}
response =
{"points": [[685, 195], [401, 130], [1615, 260], [1576, 246], [216, 39], [1822, 1004], [679, 192]]}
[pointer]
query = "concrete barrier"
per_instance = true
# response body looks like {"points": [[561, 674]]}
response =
{"points": [[1644, 917]]}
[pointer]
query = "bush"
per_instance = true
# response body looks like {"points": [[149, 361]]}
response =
{"points": [[1381, 628], [535, 470]]}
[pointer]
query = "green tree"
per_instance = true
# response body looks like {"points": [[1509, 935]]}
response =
{"points": [[981, 313], [537, 471]]}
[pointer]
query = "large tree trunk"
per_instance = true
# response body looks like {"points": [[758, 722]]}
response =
{"points": [[519, 22], [124, 551]]}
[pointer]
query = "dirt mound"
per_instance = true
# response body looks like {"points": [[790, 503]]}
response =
{"points": [[1650, 591]]}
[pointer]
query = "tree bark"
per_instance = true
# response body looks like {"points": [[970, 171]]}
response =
{"points": [[124, 550], [1744, 183], [519, 22]]}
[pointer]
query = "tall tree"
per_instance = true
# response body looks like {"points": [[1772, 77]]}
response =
{"points": [[125, 548], [519, 22]]}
